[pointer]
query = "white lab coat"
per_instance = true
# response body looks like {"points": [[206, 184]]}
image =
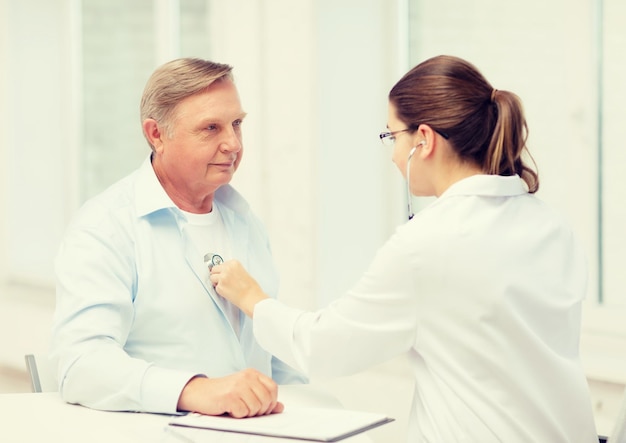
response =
{"points": [[483, 289]]}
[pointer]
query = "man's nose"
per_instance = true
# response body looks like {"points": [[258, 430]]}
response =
{"points": [[231, 141]]}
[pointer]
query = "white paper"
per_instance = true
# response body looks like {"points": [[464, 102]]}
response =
{"points": [[317, 424]]}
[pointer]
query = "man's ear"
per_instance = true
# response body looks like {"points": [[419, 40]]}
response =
{"points": [[152, 132]]}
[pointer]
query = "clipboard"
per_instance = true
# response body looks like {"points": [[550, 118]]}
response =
{"points": [[311, 424]]}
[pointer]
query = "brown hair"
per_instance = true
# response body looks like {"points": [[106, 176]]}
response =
{"points": [[483, 125], [176, 80]]}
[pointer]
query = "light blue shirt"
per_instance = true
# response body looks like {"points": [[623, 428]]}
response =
{"points": [[136, 316]]}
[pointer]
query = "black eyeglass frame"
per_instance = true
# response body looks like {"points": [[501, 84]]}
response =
{"points": [[387, 134]]}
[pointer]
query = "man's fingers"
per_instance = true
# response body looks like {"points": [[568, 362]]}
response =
{"points": [[247, 393], [271, 389], [266, 391], [278, 408], [257, 396], [239, 409]]}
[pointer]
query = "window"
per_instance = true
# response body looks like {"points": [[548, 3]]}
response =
{"points": [[116, 58], [121, 43], [75, 73], [611, 38]]}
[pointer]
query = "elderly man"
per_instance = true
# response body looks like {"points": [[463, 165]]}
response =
{"points": [[138, 325]]}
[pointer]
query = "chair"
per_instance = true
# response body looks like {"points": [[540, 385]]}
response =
{"points": [[41, 374], [618, 435]]}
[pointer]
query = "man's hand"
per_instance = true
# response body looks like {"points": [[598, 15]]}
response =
{"points": [[233, 282], [247, 393]]}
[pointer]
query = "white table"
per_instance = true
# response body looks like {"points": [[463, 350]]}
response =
{"points": [[44, 417]]}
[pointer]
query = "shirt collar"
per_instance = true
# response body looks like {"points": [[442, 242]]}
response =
{"points": [[488, 186], [150, 196]]}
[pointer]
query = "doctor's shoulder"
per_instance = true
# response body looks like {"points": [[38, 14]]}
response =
{"points": [[549, 213]]}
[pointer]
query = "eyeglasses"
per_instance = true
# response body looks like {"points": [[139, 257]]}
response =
{"points": [[388, 138]]}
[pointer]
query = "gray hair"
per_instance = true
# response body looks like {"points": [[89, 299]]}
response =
{"points": [[174, 81]]}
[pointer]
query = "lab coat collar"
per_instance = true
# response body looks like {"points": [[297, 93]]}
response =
{"points": [[150, 196], [487, 186]]}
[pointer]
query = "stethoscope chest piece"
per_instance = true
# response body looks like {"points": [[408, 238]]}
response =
{"points": [[212, 259]]}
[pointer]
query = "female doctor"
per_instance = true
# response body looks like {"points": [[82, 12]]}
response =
{"points": [[483, 288]]}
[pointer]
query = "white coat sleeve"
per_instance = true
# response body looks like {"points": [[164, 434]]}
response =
{"points": [[372, 323]]}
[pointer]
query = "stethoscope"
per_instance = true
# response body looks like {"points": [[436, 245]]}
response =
{"points": [[212, 259], [408, 178]]}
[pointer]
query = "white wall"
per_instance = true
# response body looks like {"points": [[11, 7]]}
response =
{"points": [[313, 167], [35, 135], [270, 46], [356, 52], [4, 42]]}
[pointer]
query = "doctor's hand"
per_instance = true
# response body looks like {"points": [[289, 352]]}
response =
{"points": [[233, 282], [246, 393]]}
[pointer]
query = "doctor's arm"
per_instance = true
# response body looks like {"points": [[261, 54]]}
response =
{"points": [[378, 314]]}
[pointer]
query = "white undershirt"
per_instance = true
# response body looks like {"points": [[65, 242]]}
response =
{"points": [[208, 233]]}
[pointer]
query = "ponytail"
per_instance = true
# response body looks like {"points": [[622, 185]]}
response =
{"points": [[508, 141]]}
